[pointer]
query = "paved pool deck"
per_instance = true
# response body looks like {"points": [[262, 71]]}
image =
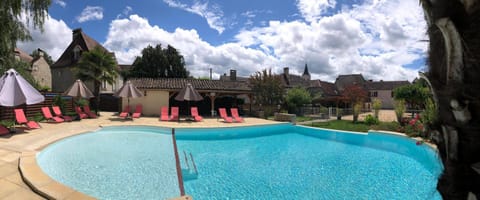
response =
{"points": [[26, 143]]}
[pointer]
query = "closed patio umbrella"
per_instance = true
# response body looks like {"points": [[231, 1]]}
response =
{"points": [[128, 90], [188, 94], [15, 90], [79, 89]]}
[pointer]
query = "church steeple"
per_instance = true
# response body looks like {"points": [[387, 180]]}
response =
{"points": [[306, 74]]}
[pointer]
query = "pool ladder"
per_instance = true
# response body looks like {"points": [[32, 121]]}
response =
{"points": [[189, 173]]}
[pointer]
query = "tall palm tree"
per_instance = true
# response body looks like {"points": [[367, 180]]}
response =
{"points": [[454, 77], [97, 65]]}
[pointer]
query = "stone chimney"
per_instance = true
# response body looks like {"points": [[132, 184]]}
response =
{"points": [[40, 52], [76, 33], [233, 75], [285, 72]]}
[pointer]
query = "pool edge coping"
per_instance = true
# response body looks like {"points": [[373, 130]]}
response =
{"points": [[43, 184]]}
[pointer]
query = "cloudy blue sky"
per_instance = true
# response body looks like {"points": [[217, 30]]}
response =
{"points": [[381, 39]]}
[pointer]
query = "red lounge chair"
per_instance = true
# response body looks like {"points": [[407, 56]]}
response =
{"points": [[195, 115], [58, 113], [174, 114], [4, 130], [49, 117], [80, 113], [164, 113], [125, 113], [138, 111], [224, 116], [21, 119], [235, 115], [86, 110]]}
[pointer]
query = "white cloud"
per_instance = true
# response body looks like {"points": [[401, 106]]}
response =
{"points": [[54, 40], [376, 45], [90, 13], [376, 39], [127, 38], [312, 10], [60, 3], [213, 14], [126, 11]]}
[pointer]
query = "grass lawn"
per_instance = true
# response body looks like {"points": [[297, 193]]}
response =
{"points": [[358, 127]]}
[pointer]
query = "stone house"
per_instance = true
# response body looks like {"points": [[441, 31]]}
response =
{"points": [[38, 67], [63, 70]]}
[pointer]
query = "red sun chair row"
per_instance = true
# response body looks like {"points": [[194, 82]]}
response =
{"points": [[164, 114], [126, 112], [86, 113], [234, 118]]}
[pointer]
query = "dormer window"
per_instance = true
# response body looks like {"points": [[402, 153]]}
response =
{"points": [[77, 52]]}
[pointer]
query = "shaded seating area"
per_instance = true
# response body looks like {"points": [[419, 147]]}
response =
{"points": [[49, 117], [224, 116], [195, 115], [58, 113], [22, 120]]}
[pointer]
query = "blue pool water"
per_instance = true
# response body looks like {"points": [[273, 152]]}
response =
{"points": [[260, 162]]}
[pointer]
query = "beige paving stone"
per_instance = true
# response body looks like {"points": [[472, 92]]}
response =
{"points": [[34, 176], [7, 169], [16, 178], [28, 160], [56, 190], [23, 194], [6, 188], [3, 152], [78, 196], [10, 157]]}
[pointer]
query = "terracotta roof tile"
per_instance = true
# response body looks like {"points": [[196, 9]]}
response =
{"points": [[385, 85], [23, 56], [199, 84]]}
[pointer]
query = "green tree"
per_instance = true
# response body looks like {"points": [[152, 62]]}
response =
{"points": [[267, 87], [13, 29], [413, 94], [98, 66], [158, 62], [297, 97], [36, 54]]}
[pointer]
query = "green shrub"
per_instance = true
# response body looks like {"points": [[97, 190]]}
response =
{"points": [[81, 102], [399, 110], [370, 120], [7, 123], [377, 104]]}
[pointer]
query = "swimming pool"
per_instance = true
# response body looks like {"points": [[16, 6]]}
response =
{"points": [[259, 162]]}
